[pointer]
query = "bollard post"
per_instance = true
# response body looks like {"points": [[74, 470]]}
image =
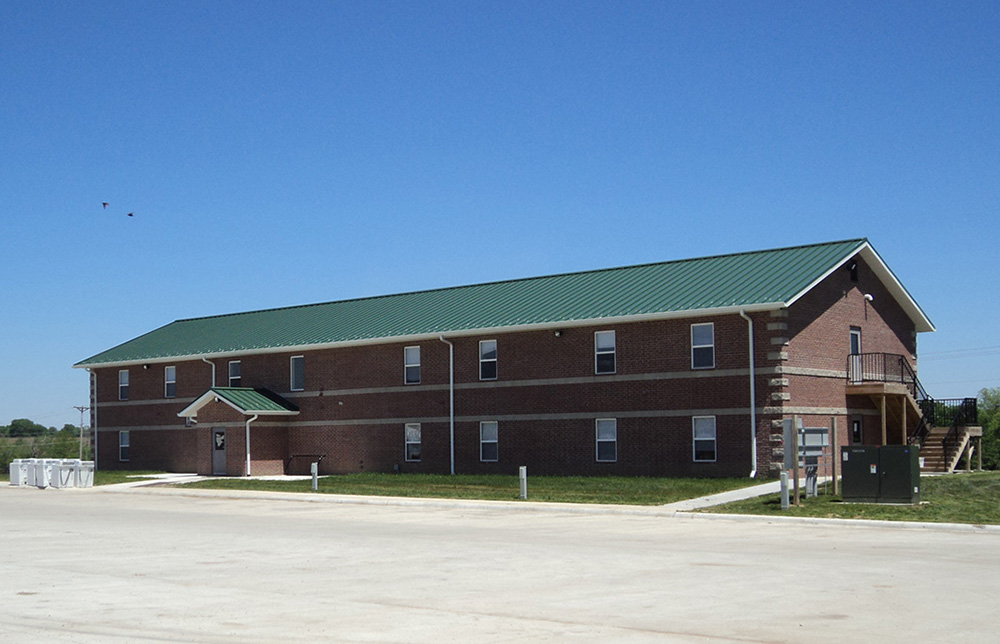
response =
{"points": [[522, 474], [784, 491], [314, 470]]}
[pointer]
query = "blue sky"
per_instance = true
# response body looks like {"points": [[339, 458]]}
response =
{"points": [[282, 153]]}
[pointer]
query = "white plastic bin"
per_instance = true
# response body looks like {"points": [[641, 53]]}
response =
{"points": [[18, 472], [43, 472], [64, 473], [44, 469], [29, 471], [85, 474]]}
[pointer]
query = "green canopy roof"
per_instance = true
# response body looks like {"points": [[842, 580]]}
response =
{"points": [[245, 400], [754, 281]]}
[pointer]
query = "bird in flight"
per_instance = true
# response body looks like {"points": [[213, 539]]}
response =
{"points": [[105, 204], [130, 214]]}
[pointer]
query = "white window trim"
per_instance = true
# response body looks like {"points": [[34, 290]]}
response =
{"points": [[127, 445], [167, 381], [229, 373], [598, 440], [495, 362], [715, 440], [121, 384], [291, 373], [495, 441], [407, 442], [855, 331], [702, 346], [407, 365], [613, 352]]}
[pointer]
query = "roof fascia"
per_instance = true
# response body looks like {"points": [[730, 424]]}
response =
{"points": [[433, 335], [888, 279]]}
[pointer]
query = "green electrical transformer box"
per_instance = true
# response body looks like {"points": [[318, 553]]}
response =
{"points": [[886, 474]]}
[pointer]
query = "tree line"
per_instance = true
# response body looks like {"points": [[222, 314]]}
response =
{"points": [[24, 438]]}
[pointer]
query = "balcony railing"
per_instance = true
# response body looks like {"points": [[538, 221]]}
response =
{"points": [[884, 367], [890, 367]]}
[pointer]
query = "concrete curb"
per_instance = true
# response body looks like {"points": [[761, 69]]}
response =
{"points": [[536, 506]]}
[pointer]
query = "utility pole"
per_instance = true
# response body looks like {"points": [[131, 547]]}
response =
{"points": [[81, 409]]}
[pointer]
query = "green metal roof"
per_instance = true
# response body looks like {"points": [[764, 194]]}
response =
{"points": [[244, 399], [761, 278]]}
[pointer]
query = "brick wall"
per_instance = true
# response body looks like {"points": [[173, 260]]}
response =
{"points": [[545, 399]]}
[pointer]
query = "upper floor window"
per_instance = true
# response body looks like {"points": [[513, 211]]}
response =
{"points": [[488, 360], [411, 365], [488, 441], [298, 369], [703, 430], [604, 352], [169, 382], [123, 384], [703, 346], [235, 373], [412, 441], [607, 440]]}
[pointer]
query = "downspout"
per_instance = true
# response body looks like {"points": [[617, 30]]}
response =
{"points": [[249, 420], [451, 398], [208, 362], [753, 399], [93, 412]]}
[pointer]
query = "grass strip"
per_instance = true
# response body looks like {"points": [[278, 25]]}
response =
{"points": [[955, 498], [557, 489]]}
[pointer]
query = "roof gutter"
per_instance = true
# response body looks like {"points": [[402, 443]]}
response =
{"points": [[753, 399], [451, 398]]}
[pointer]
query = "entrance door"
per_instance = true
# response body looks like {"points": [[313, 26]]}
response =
{"points": [[856, 368], [219, 451]]}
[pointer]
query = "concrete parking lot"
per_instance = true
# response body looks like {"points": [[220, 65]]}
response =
{"points": [[158, 566]]}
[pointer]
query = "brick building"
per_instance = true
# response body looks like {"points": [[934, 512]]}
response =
{"points": [[641, 370]]}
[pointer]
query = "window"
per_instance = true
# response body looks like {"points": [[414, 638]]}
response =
{"points": [[411, 362], [488, 360], [234, 373], [857, 431], [703, 428], [123, 446], [607, 440], [123, 384], [412, 437], [604, 352], [488, 451], [169, 382], [703, 346], [298, 367], [855, 341], [853, 268]]}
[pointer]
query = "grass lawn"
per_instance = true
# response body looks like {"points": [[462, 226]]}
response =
{"points": [[562, 489], [111, 477], [956, 498]]}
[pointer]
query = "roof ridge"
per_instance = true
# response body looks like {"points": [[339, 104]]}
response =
{"points": [[521, 279]]}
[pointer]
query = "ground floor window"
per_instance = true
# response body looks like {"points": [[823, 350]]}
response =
{"points": [[412, 438], [488, 441], [857, 433], [703, 428], [607, 440], [123, 442]]}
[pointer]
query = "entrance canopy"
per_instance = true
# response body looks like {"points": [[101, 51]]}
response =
{"points": [[246, 400]]}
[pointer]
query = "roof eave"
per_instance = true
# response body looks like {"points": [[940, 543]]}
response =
{"points": [[433, 335]]}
